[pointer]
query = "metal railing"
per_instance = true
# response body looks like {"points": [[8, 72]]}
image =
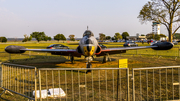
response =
{"points": [[19, 79], [156, 83], [92, 84]]}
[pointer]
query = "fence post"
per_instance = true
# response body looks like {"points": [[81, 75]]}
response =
{"points": [[128, 84], [178, 51], [133, 86], [1, 74], [35, 83], [40, 85], [117, 84]]}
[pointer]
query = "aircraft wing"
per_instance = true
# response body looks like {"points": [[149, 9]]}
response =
{"points": [[157, 46], [49, 50], [65, 52], [20, 49], [122, 50], [127, 48]]}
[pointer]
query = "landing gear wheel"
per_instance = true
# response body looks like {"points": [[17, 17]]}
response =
{"points": [[109, 59], [105, 59], [88, 65], [72, 59]]}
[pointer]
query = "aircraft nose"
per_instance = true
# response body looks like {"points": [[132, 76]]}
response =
{"points": [[89, 50]]}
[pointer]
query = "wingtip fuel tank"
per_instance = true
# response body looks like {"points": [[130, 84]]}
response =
{"points": [[14, 49], [163, 46]]}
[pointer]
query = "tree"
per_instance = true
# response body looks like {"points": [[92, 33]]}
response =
{"points": [[117, 36], [150, 36], [72, 37], [157, 37], [27, 38], [165, 12], [45, 38], [49, 38], [30, 38], [108, 37], [162, 35], [3, 39], [39, 36], [124, 35], [177, 36], [102, 36], [112, 38], [59, 37]]}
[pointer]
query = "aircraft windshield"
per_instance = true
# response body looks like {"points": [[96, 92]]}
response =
{"points": [[88, 33], [88, 41]]}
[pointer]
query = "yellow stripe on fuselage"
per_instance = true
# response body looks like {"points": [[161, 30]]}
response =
{"points": [[88, 53]]}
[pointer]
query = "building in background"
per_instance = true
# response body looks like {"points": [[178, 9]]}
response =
{"points": [[137, 37], [156, 28]]}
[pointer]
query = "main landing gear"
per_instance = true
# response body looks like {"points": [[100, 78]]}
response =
{"points": [[72, 59], [106, 58]]}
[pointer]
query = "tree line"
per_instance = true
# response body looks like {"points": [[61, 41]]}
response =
{"points": [[117, 36], [125, 35], [41, 36]]}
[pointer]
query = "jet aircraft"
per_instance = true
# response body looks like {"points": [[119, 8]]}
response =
{"points": [[88, 47]]}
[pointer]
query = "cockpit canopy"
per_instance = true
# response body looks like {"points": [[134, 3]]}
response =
{"points": [[88, 33]]}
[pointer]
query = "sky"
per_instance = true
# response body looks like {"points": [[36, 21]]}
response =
{"points": [[20, 17]]}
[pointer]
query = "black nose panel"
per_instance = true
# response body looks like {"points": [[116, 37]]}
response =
{"points": [[89, 48]]}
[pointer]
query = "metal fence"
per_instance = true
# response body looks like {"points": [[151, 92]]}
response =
{"points": [[156, 83], [81, 84], [92, 84], [18, 79]]}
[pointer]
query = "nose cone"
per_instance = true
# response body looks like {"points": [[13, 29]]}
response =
{"points": [[88, 50]]}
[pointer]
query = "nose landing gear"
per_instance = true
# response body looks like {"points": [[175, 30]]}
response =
{"points": [[88, 64]]}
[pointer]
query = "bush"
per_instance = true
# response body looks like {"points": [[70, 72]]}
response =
{"points": [[3, 39]]}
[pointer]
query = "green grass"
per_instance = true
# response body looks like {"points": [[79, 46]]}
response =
{"points": [[136, 59]]}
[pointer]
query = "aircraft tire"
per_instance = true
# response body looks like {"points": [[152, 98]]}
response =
{"points": [[72, 59], [89, 65]]}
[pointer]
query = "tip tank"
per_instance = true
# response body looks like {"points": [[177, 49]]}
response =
{"points": [[14, 49], [163, 46]]}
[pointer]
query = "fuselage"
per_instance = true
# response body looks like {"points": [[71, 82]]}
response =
{"points": [[88, 44]]}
